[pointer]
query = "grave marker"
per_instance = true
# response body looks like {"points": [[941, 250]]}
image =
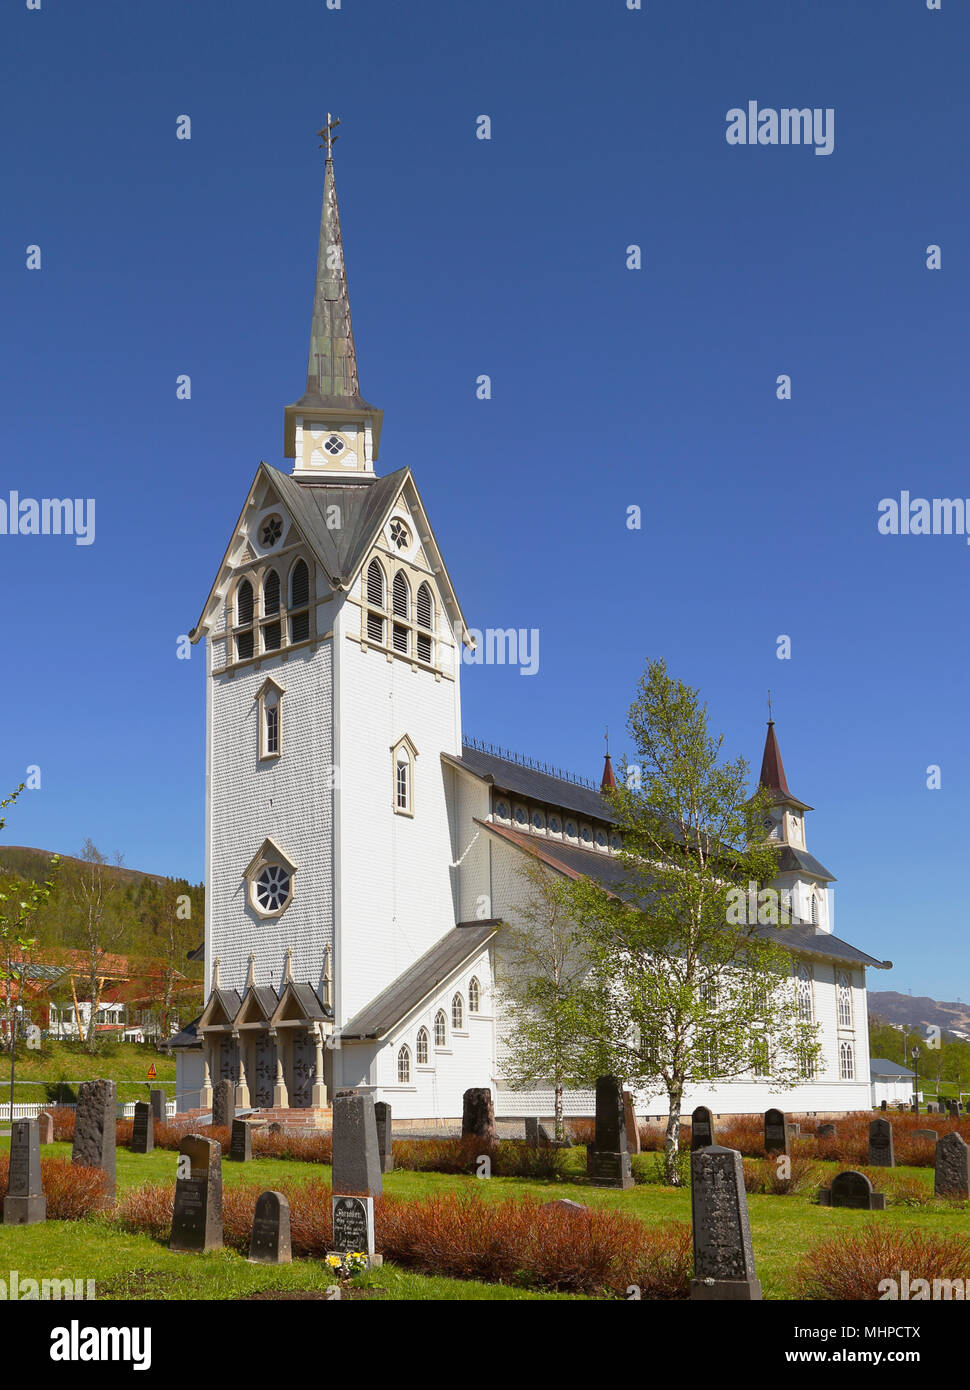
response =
{"points": [[723, 1254], [240, 1143], [25, 1203], [94, 1128], [197, 1218], [632, 1128], [156, 1099], [478, 1115], [926, 1134], [45, 1124], [353, 1227], [608, 1158], [385, 1142], [143, 1129], [269, 1243], [952, 1167], [826, 1131], [881, 1144], [852, 1189], [701, 1128], [356, 1158], [223, 1104], [776, 1132]]}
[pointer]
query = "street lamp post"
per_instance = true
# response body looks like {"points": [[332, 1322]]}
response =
{"points": [[915, 1055]]}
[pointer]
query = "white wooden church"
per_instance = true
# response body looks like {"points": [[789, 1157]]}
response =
{"points": [[360, 856]]}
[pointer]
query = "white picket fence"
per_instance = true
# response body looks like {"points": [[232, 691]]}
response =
{"points": [[30, 1112]]}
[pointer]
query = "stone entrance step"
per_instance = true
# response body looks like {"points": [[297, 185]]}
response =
{"points": [[311, 1118]]}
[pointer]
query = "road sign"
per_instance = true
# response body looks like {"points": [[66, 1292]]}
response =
{"points": [[152, 1073]]}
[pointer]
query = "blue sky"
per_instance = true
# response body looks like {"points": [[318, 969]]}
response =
{"points": [[611, 387]]}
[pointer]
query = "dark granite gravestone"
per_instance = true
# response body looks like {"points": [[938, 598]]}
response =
{"points": [[952, 1176], [197, 1217], [45, 1125], [852, 1189], [223, 1104], [25, 1203], [353, 1226], [156, 1099], [385, 1144], [630, 1119], [478, 1115], [776, 1132], [143, 1129], [881, 1144], [532, 1130], [269, 1243], [883, 1106], [356, 1159], [701, 1128], [926, 1134], [94, 1128], [240, 1142], [723, 1255], [954, 1108], [608, 1158], [826, 1131]]}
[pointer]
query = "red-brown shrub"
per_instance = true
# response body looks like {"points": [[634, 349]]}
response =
{"points": [[63, 1116], [765, 1175], [305, 1148], [850, 1267], [147, 1208]]}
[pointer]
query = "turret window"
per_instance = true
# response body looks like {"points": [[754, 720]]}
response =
{"points": [[334, 445]]}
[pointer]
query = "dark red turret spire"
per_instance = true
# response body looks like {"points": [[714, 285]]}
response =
{"points": [[609, 781], [772, 767]]}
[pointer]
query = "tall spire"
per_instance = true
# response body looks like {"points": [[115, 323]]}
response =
{"points": [[773, 777], [609, 780], [332, 386]]}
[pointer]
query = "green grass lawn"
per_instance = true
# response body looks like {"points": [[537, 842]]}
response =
{"points": [[133, 1266], [39, 1073]]}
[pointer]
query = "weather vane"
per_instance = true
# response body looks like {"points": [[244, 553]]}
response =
{"points": [[769, 706], [329, 139]]}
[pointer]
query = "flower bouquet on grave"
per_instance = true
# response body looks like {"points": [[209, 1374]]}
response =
{"points": [[345, 1266]]}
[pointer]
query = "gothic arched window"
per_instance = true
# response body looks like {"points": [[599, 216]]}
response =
{"points": [[440, 1028], [422, 1047], [814, 909], [299, 609], [844, 991], [457, 1012], [375, 600], [425, 614], [474, 995], [803, 989], [402, 611], [846, 1062], [244, 620], [272, 631], [404, 1064]]}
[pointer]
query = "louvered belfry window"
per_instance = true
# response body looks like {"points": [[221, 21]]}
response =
{"points": [[375, 599], [299, 602], [244, 619], [402, 610], [425, 612]]}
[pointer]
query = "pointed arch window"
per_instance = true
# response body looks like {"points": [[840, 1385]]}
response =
{"points": [[440, 1029], [457, 1012], [846, 1062], [272, 631], [474, 995], [244, 620], [404, 1064], [375, 602], [299, 607], [803, 990], [421, 1048], [270, 707], [425, 615], [814, 909], [403, 754], [402, 612], [844, 993]]}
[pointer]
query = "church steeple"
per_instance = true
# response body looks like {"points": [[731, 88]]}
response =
{"points": [[786, 821], [332, 428]]}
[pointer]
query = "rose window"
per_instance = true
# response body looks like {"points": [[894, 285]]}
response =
{"points": [[271, 530], [272, 888], [334, 445], [399, 535]]}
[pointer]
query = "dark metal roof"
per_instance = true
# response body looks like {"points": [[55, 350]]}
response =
{"points": [[267, 997], [610, 873], [773, 777], [789, 858], [419, 980], [363, 509], [310, 1003], [531, 784], [185, 1037], [881, 1066]]}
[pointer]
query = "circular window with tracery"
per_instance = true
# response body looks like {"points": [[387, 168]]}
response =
{"points": [[400, 535], [271, 530], [272, 888], [334, 445]]}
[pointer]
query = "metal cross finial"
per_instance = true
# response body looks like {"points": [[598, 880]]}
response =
{"points": [[328, 138], [769, 708], [607, 737]]}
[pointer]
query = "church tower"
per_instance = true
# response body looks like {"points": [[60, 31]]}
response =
{"points": [[334, 642], [801, 877]]}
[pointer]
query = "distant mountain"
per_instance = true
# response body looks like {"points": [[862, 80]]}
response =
{"points": [[919, 1011]]}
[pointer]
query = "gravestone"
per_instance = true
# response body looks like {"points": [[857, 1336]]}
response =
{"points": [[25, 1203], [776, 1132], [269, 1243], [632, 1128], [45, 1125], [794, 1129], [723, 1255], [532, 1130], [881, 1144], [197, 1217], [608, 1158], [954, 1108], [852, 1189], [356, 1158], [353, 1227], [701, 1128], [952, 1175], [240, 1142], [565, 1204], [478, 1115], [883, 1106], [223, 1104], [94, 1128], [385, 1141], [143, 1129], [926, 1134], [826, 1131], [156, 1099]]}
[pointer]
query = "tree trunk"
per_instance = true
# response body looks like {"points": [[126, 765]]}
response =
{"points": [[672, 1139], [560, 1127]]}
